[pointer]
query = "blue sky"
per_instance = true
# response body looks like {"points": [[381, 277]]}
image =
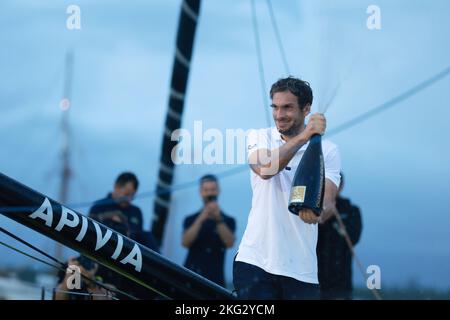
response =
{"points": [[396, 163]]}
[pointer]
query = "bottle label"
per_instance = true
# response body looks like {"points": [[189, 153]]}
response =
{"points": [[319, 201], [298, 194]]}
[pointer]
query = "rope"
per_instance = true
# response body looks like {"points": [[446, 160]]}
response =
{"points": [[231, 172], [260, 62], [355, 256], [278, 37], [59, 268], [30, 246], [391, 102]]}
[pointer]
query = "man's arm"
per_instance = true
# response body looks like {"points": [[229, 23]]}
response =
{"points": [[141, 222], [191, 233], [329, 201], [354, 224], [329, 206], [267, 163], [225, 233]]}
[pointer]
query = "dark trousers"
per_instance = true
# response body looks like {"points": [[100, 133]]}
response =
{"points": [[334, 294], [253, 283]]}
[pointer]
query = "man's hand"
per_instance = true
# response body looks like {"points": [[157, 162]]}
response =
{"points": [[203, 215], [214, 211], [326, 214], [90, 274], [317, 125], [308, 216], [102, 293]]}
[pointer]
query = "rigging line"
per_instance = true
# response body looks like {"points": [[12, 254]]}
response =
{"points": [[30, 246], [46, 289], [278, 37], [57, 261], [30, 256], [143, 195], [260, 62], [337, 87], [390, 103], [65, 270], [91, 280], [332, 96], [346, 125], [335, 91], [81, 293], [355, 256]]}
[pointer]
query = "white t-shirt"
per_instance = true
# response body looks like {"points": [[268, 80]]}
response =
{"points": [[276, 240]]}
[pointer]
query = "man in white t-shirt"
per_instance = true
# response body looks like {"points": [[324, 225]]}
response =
{"points": [[277, 255]]}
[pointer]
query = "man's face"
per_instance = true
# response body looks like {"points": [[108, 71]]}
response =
{"points": [[209, 188], [124, 194], [288, 116]]}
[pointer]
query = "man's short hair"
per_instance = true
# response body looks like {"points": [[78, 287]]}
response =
{"points": [[126, 177], [299, 88], [208, 178]]}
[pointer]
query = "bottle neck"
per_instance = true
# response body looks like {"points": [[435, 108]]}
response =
{"points": [[316, 138]]}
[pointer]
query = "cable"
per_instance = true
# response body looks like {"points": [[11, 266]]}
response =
{"points": [[83, 293], [278, 37], [352, 250], [62, 265], [30, 246], [260, 62], [30, 256], [346, 125], [142, 195], [390, 103]]}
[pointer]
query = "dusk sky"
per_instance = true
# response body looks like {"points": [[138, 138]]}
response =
{"points": [[396, 162]]}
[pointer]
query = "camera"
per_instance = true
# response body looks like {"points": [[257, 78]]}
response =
{"points": [[211, 198]]}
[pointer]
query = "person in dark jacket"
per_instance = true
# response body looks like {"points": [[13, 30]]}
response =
{"points": [[118, 202], [333, 253], [208, 233]]}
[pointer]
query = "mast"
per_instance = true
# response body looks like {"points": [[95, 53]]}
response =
{"points": [[184, 44], [66, 171]]}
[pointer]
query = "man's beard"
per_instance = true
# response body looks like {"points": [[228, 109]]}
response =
{"points": [[292, 130]]}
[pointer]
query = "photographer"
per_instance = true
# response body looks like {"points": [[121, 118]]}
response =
{"points": [[90, 269], [208, 233], [119, 201]]}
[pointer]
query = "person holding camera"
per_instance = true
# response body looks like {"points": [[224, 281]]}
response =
{"points": [[88, 290], [119, 201], [92, 270], [208, 233]]}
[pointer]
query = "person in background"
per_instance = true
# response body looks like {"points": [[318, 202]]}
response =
{"points": [[94, 271], [333, 253], [119, 202], [208, 233]]}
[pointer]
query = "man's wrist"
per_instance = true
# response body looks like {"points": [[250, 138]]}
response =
{"points": [[302, 139]]}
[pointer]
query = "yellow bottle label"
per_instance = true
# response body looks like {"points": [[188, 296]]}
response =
{"points": [[298, 194]]}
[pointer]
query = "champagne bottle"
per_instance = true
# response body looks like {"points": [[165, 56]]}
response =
{"points": [[308, 186]]}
